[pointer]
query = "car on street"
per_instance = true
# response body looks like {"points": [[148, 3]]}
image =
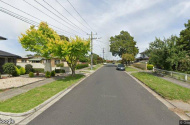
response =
{"points": [[121, 67]]}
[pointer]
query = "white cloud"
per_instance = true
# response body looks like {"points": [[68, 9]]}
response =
{"points": [[143, 19]]}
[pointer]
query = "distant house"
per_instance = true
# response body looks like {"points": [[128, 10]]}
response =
{"points": [[41, 62], [143, 57], [6, 57]]}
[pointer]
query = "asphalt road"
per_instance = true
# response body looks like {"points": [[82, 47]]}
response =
{"points": [[108, 97]]}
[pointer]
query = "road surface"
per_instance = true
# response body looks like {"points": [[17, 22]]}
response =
{"points": [[107, 97]]}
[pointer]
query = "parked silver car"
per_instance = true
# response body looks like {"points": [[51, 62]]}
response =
{"points": [[121, 67]]}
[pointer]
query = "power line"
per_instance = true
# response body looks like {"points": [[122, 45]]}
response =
{"points": [[102, 42], [30, 15], [64, 16], [79, 15], [18, 16], [43, 12], [29, 21], [55, 15], [71, 14]]}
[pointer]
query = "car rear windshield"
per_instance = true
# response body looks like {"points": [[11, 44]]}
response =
{"points": [[121, 65]]}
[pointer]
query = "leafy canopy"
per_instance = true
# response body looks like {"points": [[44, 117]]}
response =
{"points": [[165, 54], [38, 39], [123, 43], [185, 37], [72, 51], [127, 58]]}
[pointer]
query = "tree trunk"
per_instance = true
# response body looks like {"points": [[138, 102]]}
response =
{"points": [[73, 71]]}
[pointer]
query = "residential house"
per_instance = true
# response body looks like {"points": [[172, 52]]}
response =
{"points": [[41, 62], [143, 57], [6, 57]]}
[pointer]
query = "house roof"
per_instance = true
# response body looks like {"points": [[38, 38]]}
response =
{"points": [[2, 38], [35, 59], [6, 54]]}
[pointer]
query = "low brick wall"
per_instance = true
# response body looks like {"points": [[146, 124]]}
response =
{"points": [[141, 65]]}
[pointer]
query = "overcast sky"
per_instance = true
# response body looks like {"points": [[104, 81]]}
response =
{"points": [[143, 19]]}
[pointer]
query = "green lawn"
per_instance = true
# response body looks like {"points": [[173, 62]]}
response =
{"points": [[165, 88], [36, 96], [95, 67], [130, 69]]}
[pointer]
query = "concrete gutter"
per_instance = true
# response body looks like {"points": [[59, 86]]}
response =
{"points": [[164, 101]]}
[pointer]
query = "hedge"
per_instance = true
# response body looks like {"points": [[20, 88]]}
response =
{"points": [[9, 68], [150, 66], [31, 74], [60, 65], [28, 68], [80, 66], [59, 70]]}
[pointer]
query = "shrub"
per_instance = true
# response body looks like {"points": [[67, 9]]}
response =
{"points": [[80, 66], [60, 65], [0, 75], [52, 73], [59, 70], [16, 73], [28, 68], [39, 70], [31, 74], [18, 66], [9, 68], [22, 70], [150, 66], [48, 74]]}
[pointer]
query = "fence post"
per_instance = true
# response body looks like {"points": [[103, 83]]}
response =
{"points": [[171, 74], [186, 77], [153, 69]]}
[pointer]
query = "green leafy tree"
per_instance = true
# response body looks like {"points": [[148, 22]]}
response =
{"points": [[71, 51], [38, 39], [185, 37], [123, 43], [127, 58], [165, 54]]}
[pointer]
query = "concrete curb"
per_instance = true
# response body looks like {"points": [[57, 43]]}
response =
{"points": [[47, 101], [165, 102]]}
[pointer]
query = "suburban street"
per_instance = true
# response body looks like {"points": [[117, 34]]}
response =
{"points": [[107, 97]]}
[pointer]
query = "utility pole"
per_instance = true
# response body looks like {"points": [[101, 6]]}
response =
{"points": [[103, 55], [91, 38]]}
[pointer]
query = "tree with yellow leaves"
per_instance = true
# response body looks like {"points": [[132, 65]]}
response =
{"points": [[47, 43]]}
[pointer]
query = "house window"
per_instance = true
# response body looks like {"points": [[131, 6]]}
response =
{"points": [[47, 61], [35, 61], [57, 61]]}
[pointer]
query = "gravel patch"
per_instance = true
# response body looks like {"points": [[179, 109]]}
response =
{"points": [[18, 81]]}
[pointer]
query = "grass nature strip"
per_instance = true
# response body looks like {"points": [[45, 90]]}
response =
{"points": [[95, 67], [130, 69], [163, 87], [36, 96]]}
